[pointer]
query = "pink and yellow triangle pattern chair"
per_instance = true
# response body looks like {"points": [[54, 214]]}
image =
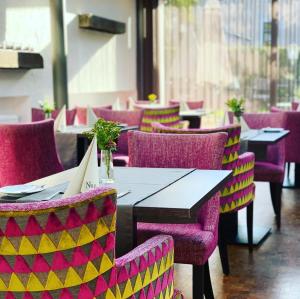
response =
{"points": [[239, 192], [65, 249]]}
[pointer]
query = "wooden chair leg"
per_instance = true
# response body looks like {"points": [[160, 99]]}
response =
{"points": [[222, 243], [250, 225], [208, 290], [276, 190], [198, 282]]}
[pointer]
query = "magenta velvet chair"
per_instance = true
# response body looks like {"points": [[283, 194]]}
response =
{"points": [[38, 115], [191, 104], [131, 118], [82, 116], [239, 192], [271, 170], [194, 242], [65, 249], [27, 152]]}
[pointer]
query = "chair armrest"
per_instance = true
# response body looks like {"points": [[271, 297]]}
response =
{"points": [[140, 269], [245, 163]]}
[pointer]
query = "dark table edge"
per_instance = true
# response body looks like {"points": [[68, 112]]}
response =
{"points": [[286, 133]]}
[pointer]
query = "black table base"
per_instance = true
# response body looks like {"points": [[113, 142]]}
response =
{"points": [[294, 181], [195, 121]]}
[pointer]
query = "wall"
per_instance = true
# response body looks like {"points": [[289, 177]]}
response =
{"points": [[101, 67]]}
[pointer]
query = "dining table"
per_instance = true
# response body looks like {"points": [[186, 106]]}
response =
{"points": [[157, 195], [256, 141], [72, 143]]}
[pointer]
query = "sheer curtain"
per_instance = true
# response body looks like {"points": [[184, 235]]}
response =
{"points": [[213, 50]]}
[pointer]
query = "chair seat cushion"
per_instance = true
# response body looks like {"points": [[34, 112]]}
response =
{"points": [[192, 244], [268, 172]]}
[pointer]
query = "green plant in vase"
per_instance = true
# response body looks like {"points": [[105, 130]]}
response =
{"points": [[107, 133], [237, 107], [47, 108], [152, 97]]}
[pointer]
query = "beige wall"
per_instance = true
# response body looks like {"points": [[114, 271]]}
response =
{"points": [[101, 66]]}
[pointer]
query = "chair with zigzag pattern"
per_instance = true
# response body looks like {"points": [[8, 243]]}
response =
{"points": [[239, 192], [65, 249]]}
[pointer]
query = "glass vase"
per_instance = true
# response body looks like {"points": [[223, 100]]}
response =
{"points": [[106, 167], [48, 115]]}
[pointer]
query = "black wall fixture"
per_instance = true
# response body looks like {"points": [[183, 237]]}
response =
{"points": [[92, 22], [10, 59]]}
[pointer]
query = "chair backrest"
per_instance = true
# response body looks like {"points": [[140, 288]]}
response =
{"points": [[181, 151], [295, 105], [81, 113], [129, 117], [191, 104], [59, 249], [292, 141], [168, 116], [276, 152], [28, 152], [237, 192], [38, 115]]}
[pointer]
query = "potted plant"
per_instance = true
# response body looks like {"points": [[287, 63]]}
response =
{"points": [[152, 97], [237, 107], [107, 133], [47, 108]]}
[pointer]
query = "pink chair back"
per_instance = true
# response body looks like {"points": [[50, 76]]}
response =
{"points": [[295, 105], [27, 152], [82, 116], [38, 115]]}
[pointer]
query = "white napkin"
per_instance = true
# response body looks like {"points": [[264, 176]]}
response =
{"points": [[91, 117], [60, 122], [131, 103], [117, 105], [244, 126], [87, 174], [226, 120], [183, 106]]}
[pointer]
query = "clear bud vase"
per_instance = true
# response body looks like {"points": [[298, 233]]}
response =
{"points": [[48, 115], [106, 167]]}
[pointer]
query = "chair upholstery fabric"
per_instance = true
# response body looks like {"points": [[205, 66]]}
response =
{"points": [[168, 116], [194, 242], [28, 152], [295, 105], [191, 104], [292, 141], [239, 191], [38, 115], [65, 248], [81, 113], [131, 118], [271, 170]]}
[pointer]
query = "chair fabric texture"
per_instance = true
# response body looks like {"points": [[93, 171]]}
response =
{"points": [[81, 113], [295, 105], [38, 115], [28, 152], [292, 141], [191, 104], [194, 242], [168, 116], [131, 118], [239, 191], [271, 170], [65, 248]]}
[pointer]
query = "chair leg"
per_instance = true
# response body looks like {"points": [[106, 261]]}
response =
{"points": [[198, 282], [208, 290], [250, 225], [222, 243], [276, 190]]}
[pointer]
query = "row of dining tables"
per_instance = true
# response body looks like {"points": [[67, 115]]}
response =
{"points": [[161, 195]]}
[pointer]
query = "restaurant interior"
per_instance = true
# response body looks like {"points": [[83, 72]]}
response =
{"points": [[149, 149]]}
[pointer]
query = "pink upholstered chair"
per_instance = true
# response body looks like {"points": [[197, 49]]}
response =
{"points": [[27, 152], [38, 115], [239, 192], [82, 116], [194, 242], [295, 105], [191, 104], [65, 248], [131, 118], [271, 170]]}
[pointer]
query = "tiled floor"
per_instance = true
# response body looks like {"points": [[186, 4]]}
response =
{"points": [[273, 270]]}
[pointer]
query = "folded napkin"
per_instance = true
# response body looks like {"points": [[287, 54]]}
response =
{"points": [[184, 106], [244, 126], [226, 120], [131, 103], [60, 122], [117, 105], [91, 117], [87, 174]]}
